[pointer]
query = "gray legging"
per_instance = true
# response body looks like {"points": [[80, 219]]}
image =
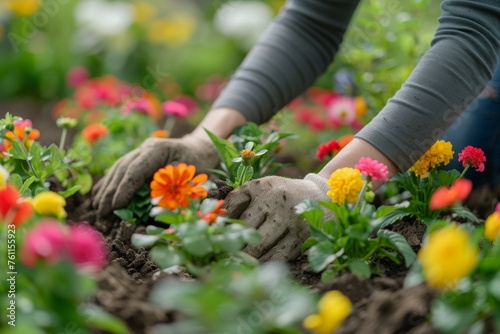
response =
{"points": [[479, 126]]}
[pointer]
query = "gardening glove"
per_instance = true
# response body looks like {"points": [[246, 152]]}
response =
{"points": [[130, 172], [268, 205]]}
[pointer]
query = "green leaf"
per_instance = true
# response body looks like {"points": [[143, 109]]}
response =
{"points": [[397, 242], [197, 245], [322, 254], [15, 180], [144, 240], [463, 212], [391, 218], [227, 242], [70, 191], [26, 185], [449, 318], [223, 147], [385, 210], [125, 214], [85, 181], [166, 256], [309, 243], [154, 230], [39, 190], [18, 152], [98, 318], [359, 268]]}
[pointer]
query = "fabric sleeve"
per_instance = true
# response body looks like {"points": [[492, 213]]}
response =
{"points": [[448, 78], [296, 48]]}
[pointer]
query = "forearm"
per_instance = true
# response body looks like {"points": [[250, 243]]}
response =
{"points": [[450, 75], [350, 155], [221, 122]]}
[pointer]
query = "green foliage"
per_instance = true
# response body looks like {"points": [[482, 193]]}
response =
{"points": [[231, 297], [349, 241], [32, 166], [421, 190], [139, 207], [249, 155], [196, 243]]}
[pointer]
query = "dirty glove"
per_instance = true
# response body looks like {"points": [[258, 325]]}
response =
{"points": [[268, 205], [130, 172]]}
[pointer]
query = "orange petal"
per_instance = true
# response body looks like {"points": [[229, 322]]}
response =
{"points": [[462, 189], [440, 199]]}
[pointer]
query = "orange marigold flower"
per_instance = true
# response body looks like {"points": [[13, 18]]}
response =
{"points": [[344, 140], [24, 131], [160, 134], [94, 132], [175, 185], [211, 217], [445, 197]]}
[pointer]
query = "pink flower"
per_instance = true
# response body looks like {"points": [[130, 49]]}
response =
{"points": [[45, 241], [328, 148], [497, 209], [86, 247], [342, 111], [21, 123], [180, 107], [211, 89], [138, 104], [372, 168], [77, 76], [472, 156]]}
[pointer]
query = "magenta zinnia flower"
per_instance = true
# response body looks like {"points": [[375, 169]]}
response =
{"points": [[472, 156], [45, 241], [372, 168]]}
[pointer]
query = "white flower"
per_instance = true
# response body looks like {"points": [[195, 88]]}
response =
{"points": [[104, 18], [244, 21]]}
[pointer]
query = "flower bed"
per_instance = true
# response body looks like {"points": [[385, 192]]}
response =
{"points": [[184, 272]]}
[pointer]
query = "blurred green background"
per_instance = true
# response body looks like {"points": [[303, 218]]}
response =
{"points": [[174, 46]]}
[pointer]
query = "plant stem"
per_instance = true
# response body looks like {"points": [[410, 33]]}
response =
{"points": [[169, 124], [465, 171], [27, 155], [362, 193], [63, 139]]}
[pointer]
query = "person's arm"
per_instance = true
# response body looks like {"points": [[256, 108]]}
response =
{"points": [[296, 48]]}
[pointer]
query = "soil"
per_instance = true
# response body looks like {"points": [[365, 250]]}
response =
{"points": [[380, 304]]}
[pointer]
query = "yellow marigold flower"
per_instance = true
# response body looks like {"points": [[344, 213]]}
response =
{"points": [[440, 153], [333, 308], [175, 30], [447, 257], [492, 226], [361, 106], [4, 175], [143, 11], [345, 185], [49, 203], [23, 7]]}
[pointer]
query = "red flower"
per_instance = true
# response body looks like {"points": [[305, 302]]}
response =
{"points": [[445, 197], [13, 208], [328, 148], [77, 76], [375, 170], [211, 217], [472, 156], [94, 132]]}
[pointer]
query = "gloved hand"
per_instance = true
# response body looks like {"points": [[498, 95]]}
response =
{"points": [[131, 171], [268, 205]]}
